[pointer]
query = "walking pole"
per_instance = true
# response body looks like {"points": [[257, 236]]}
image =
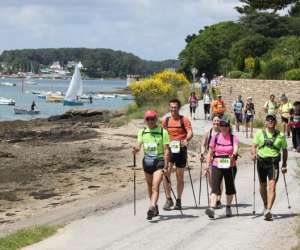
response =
{"points": [[207, 190], [201, 163], [168, 180], [134, 186], [236, 203], [287, 194], [192, 184], [253, 187]]}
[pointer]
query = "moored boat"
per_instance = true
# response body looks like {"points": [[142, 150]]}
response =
{"points": [[20, 111], [10, 84], [5, 101]]}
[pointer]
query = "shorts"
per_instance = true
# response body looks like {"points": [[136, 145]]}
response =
{"points": [[192, 109], [206, 108], [268, 168], [284, 120], [249, 118], [179, 159], [203, 89], [217, 175], [239, 117], [150, 165]]}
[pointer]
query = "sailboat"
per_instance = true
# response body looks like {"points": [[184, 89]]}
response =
{"points": [[75, 89], [28, 79]]}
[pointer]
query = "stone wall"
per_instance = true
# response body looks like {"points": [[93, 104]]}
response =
{"points": [[259, 90]]}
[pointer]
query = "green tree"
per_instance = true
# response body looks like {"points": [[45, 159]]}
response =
{"points": [[295, 10]]}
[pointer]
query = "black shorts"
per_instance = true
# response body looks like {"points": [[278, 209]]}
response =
{"points": [[192, 109], [179, 159], [239, 117], [206, 108], [248, 118], [268, 168], [150, 165], [284, 120], [217, 175]]}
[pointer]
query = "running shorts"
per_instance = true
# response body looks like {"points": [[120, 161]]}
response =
{"points": [[192, 109], [239, 117], [179, 159], [206, 108], [150, 165], [268, 168], [248, 118]]}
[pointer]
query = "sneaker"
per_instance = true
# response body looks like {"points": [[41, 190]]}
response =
{"points": [[178, 205], [156, 213], [150, 213], [268, 214], [218, 205], [169, 203], [210, 212], [228, 211]]}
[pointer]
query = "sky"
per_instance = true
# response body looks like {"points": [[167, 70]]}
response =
{"points": [[150, 29]]}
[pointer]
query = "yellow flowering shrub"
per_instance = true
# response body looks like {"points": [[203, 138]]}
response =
{"points": [[249, 64], [175, 79]]}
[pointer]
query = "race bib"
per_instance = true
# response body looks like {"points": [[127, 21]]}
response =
{"points": [[223, 162], [175, 146], [249, 112], [150, 149]]}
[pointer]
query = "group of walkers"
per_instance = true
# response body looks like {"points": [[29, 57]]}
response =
{"points": [[165, 147]]}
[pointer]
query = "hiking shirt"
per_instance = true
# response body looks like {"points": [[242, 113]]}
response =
{"points": [[153, 141], [203, 82], [271, 107], [265, 152], [238, 106], [176, 132], [218, 107], [193, 101], [285, 108], [223, 147], [206, 99]]}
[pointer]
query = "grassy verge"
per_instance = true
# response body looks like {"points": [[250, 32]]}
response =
{"points": [[26, 237]]}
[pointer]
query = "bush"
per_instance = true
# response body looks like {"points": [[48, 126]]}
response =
{"points": [[275, 68], [177, 80], [235, 74], [246, 76], [293, 74]]}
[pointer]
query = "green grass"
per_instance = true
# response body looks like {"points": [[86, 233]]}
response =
{"points": [[26, 237]]}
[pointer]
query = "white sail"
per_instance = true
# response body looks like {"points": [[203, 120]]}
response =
{"points": [[75, 89]]}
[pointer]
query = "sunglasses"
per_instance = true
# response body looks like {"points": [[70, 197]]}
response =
{"points": [[150, 119], [224, 125]]}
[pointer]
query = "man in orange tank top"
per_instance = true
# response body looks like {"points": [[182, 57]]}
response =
{"points": [[180, 132]]}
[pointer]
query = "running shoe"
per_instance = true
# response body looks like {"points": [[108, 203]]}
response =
{"points": [[178, 204], [169, 203], [156, 213], [218, 205], [228, 211], [268, 214], [210, 212], [150, 213]]}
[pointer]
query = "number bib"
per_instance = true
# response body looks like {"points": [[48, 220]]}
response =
{"points": [[151, 149], [175, 147], [223, 163], [249, 112]]}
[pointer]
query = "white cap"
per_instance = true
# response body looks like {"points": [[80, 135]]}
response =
{"points": [[249, 97]]}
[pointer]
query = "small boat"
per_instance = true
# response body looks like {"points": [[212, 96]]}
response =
{"points": [[109, 96], [41, 96], [10, 84], [5, 101], [20, 111], [75, 89], [54, 98]]}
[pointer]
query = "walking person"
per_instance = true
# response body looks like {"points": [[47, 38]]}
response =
{"points": [[218, 107], [249, 116], [294, 125], [222, 156], [214, 130], [193, 101], [238, 106], [203, 83], [33, 106], [155, 142], [284, 111], [266, 148], [206, 105], [271, 106], [180, 132]]}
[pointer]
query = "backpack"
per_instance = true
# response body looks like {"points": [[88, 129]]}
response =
{"points": [[216, 143], [181, 123], [269, 142], [153, 133]]}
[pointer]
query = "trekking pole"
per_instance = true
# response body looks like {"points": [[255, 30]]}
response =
{"points": [[192, 184], [236, 203], [207, 190], [134, 186], [168, 180], [253, 187], [201, 163], [287, 194]]}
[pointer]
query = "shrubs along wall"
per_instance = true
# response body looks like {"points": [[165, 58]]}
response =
{"points": [[259, 90]]}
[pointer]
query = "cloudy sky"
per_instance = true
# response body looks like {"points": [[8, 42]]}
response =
{"points": [[151, 29]]}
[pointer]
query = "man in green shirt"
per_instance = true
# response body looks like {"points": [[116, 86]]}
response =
{"points": [[271, 106], [155, 142], [267, 144]]}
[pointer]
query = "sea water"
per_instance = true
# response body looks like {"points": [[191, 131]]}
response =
{"points": [[22, 94]]}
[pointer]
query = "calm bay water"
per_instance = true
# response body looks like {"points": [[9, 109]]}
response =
{"points": [[25, 98]]}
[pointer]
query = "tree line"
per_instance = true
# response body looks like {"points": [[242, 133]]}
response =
{"points": [[97, 63], [262, 44]]}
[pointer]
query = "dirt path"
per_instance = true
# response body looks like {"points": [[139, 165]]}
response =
{"points": [[119, 229]]}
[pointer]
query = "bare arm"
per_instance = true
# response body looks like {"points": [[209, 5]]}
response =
{"points": [[166, 155], [253, 152], [137, 148]]}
